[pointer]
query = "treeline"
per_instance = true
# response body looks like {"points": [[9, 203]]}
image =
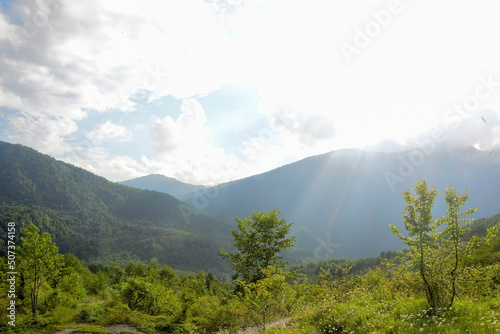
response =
{"points": [[101, 238]]}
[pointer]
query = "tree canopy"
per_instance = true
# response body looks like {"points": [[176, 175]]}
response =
{"points": [[259, 241]]}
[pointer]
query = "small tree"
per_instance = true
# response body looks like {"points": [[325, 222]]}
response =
{"points": [[260, 240], [39, 262], [420, 224], [439, 256], [452, 234], [266, 298]]}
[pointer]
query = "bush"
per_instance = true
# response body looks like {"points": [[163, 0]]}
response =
{"points": [[73, 285], [63, 314], [91, 314], [151, 298], [211, 315]]}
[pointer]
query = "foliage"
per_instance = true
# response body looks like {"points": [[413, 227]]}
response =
{"points": [[260, 239], [439, 257], [266, 298], [451, 238], [420, 224], [39, 263], [154, 298]]}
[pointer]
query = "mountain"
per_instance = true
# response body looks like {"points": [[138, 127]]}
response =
{"points": [[163, 184], [98, 220], [342, 202]]}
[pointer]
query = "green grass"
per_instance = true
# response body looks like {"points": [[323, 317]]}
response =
{"points": [[364, 314]]}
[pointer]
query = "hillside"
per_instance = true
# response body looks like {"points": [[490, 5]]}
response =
{"points": [[163, 184], [343, 202], [99, 220]]}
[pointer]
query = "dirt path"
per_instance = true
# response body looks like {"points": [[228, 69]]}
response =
{"points": [[123, 328], [278, 323], [118, 329]]}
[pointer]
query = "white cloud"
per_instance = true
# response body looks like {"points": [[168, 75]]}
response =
{"points": [[99, 55], [97, 160], [177, 136], [184, 148], [109, 131], [46, 131]]}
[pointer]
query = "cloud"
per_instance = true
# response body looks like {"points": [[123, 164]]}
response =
{"points": [[46, 131], [98, 160], [311, 128], [58, 63], [184, 148], [63, 61], [109, 131], [187, 132], [481, 130]]}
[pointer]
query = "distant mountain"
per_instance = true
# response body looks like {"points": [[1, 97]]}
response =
{"points": [[343, 202], [163, 184], [102, 221]]}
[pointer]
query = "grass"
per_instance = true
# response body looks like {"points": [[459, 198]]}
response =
{"points": [[363, 314]]}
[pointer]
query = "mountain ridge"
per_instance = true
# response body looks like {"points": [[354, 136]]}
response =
{"points": [[345, 197], [99, 220], [162, 183], [341, 203]]}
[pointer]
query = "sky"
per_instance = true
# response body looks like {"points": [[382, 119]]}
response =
{"points": [[208, 91]]}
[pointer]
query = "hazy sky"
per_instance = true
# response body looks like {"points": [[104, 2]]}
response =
{"points": [[210, 91]]}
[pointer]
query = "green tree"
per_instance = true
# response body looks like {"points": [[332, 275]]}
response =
{"points": [[39, 262], [259, 241], [420, 224], [452, 236], [440, 257]]}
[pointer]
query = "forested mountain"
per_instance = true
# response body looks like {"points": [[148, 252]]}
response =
{"points": [[99, 220], [343, 202], [163, 184]]}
